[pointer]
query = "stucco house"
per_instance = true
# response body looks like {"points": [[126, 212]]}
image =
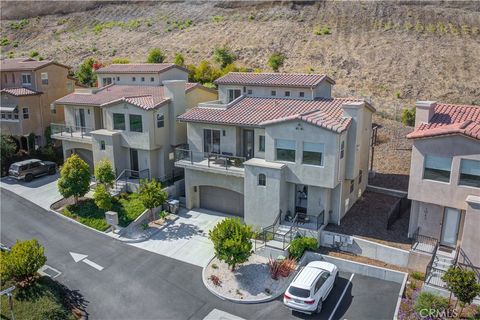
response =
{"points": [[277, 146], [445, 183], [28, 87], [134, 126]]}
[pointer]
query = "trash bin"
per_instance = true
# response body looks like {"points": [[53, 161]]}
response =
{"points": [[173, 205]]}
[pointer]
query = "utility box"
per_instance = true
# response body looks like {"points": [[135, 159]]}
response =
{"points": [[173, 206], [112, 218]]}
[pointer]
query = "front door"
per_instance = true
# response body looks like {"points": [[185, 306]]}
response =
{"points": [[248, 143], [80, 118], [451, 222], [134, 162]]}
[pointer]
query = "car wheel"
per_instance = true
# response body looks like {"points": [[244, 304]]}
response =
{"points": [[29, 177], [319, 306], [52, 170]]}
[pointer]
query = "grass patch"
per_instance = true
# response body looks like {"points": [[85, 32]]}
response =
{"points": [[128, 25], [43, 299], [322, 30], [128, 209], [178, 24], [218, 18], [19, 25], [4, 41]]}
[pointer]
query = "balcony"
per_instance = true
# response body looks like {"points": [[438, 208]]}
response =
{"points": [[71, 132], [212, 162]]}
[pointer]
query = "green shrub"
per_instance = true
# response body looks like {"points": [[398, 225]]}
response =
{"points": [[179, 60], [300, 244], [322, 30], [218, 18], [417, 275], [224, 56], [87, 213], [102, 198], [121, 60], [19, 25], [276, 61], [156, 55], [104, 173], [34, 54], [23, 261], [85, 73], [408, 117], [4, 41], [129, 209], [430, 301]]}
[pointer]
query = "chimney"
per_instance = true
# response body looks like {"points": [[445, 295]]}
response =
{"points": [[354, 110], [424, 112], [175, 90]]}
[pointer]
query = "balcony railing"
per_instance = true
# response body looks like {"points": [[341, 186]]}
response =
{"points": [[423, 243], [211, 160], [64, 130]]}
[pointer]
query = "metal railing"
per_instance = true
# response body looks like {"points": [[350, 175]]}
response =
{"points": [[132, 176], [464, 262], [429, 270], [215, 160], [421, 242], [70, 130]]}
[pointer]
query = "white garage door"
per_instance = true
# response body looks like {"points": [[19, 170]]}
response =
{"points": [[221, 200]]}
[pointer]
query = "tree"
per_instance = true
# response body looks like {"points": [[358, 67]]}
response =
{"points": [[23, 261], [179, 59], [120, 60], [223, 56], [151, 194], [104, 173], [204, 72], [8, 147], [74, 178], [85, 73], [156, 56], [231, 241], [102, 198], [408, 117], [276, 61], [463, 284]]}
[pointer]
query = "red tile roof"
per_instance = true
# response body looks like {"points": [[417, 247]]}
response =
{"points": [[450, 119], [19, 92], [274, 79], [25, 64], [259, 112], [145, 97], [139, 68]]}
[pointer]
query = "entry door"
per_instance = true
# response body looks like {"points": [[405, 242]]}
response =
{"points": [[134, 161], [248, 143], [80, 118], [451, 222]]}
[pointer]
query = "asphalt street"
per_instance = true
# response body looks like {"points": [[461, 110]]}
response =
{"points": [[118, 281]]}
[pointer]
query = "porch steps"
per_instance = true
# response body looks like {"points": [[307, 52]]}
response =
{"points": [[118, 187], [442, 261]]}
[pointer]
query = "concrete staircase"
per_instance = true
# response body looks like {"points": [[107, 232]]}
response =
{"points": [[118, 187], [442, 261]]}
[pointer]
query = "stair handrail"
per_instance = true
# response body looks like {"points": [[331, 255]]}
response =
{"points": [[430, 264]]}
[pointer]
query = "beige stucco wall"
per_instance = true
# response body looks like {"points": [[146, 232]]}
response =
{"points": [[126, 78]]}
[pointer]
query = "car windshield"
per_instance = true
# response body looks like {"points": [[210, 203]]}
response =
{"points": [[14, 167], [299, 292]]}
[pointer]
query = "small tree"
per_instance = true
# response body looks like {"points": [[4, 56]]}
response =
{"points": [[408, 117], [463, 284], [104, 173], [223, 56], [85, 72], [156, 56], [231, 241], [276, 61], [23, 261], [152, 194], [179, 59], [102, 198], [120, 60], [74, 178], [8, 148]]}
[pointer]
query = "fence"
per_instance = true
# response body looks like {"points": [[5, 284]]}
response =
{"points": [[396, 211]]}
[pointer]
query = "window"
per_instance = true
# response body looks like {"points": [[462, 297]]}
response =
{"points": [[106, 81], [274, 93], [352, 185], [342, 149], [118, 121], [102, 145], [5, 77], [285, 150], [13, 77], [118, 78], [249, 91], [301, 94], [211, 141], [26, 79], [53, 108], [234, 94], [25, 113], [244, 89], [313, 153], [261, 143], [437, 168], [143, 79], [321, 280], [44, 77], [134, 79], [360, 174], [135, 122], [160, 120], [287, 93], [152, 79], [262, 179], [469, 173]]}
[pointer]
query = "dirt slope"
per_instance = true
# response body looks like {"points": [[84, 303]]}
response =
{"points": [[420, 50]]}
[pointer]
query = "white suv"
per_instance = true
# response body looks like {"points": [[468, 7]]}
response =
{"points": [[311, 287]]}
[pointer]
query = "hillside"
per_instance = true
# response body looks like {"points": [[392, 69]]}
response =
{"points": [[393, 52]]}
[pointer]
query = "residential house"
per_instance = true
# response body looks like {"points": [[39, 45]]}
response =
{"points": [[277, 147], [445, 182], [28, 88]]}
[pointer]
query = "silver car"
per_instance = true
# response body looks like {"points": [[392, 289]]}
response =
{"points": [[31, 168]]}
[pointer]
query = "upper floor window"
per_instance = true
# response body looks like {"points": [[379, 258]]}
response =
{"points": [[287, 93], [469, 173], [249, 91], [143, 79], [233, 94], [134, 79], [437, 168], [25, 113], [13, 77], [313, 153], [44, 77], [160, 120], [135, 123], [262, 179], [118, 78], [26, 79], [211, 141], [152, 79], [106, 81], [274, 93], [244, 89], [261, 143], [301, 94], [285, 150], [342, 149], [102, 144], [118, 121]]}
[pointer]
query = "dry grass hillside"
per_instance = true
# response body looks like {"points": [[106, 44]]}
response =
{"points": [[393, 52]]}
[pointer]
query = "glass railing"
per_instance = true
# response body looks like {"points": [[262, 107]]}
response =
{"points": [[70, 130], [214, 160]]}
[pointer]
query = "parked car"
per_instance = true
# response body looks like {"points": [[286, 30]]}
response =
{"points": [[311, 287], [31, 168]]}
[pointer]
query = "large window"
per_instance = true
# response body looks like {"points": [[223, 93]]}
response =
{"points": [[135, 122], [313, 153], [469, 173], [26, 79], [437, 168], [44, 77], [160, 121], [234, 94], [211, 141], [285, 150], [25, 113], [118, 121], [261, 143]]}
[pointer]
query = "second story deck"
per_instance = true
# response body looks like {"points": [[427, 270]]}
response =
{"points": [[213, 162]]}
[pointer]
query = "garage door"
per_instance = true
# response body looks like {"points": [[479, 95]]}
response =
{"points": [[221, 200], [86, 155]]}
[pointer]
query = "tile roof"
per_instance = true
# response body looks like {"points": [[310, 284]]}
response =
{"points": [[259, 112], [274, 79], [19, 64], [139, 68], [450, 119], [145, 97], [19, 92]]}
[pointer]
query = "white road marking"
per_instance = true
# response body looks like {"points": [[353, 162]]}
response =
{"points": [[341, 297], [83, 257], [78, 256], [93, 264]]}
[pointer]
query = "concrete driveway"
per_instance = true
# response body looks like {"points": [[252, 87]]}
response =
{"points": [[187, 238], [42, 191]]}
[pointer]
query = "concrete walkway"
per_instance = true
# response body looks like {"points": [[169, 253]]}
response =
{"points": [[187, 238]]}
